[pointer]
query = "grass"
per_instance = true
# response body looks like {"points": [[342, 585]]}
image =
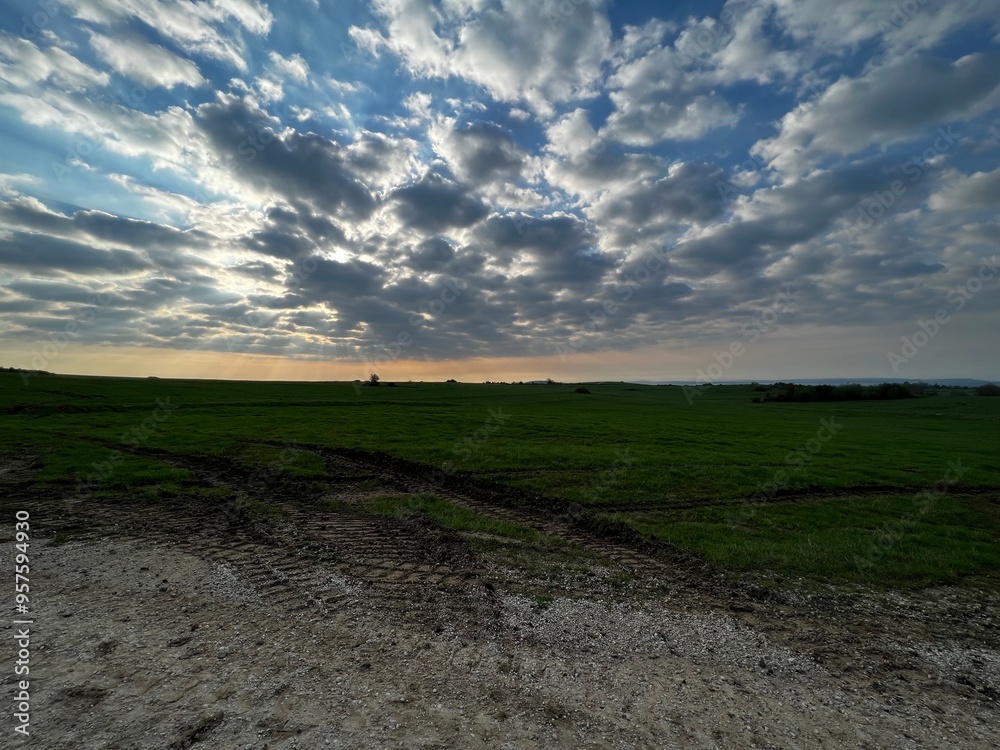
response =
{"points": [[893, 540], [510, 544], [454, 517], [292, 461], [616, 447]]}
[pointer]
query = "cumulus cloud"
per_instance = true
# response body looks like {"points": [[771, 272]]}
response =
{"points": [[148, 64], [196, 27], [480, 152], [655, 100], [904, 28], [435, 204], [299, 166], [526, 162], [538, 53], [295, 66], [885, 106], [688, 194], [975, 192], [23, 64]]}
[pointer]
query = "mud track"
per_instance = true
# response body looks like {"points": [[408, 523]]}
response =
{"points": [[810, 494], [374, 601], [303, 557], [552, 516]]}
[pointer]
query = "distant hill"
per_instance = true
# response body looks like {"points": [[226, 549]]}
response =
{"points": [[953, 382]]}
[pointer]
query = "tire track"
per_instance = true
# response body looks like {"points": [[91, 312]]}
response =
{"points": [[410, 477], [310, 559], [798, 495]]}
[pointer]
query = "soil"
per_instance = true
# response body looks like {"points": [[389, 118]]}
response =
{"points": [[173, 622]]}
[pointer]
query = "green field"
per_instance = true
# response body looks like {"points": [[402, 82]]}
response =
{"points": [[900, 492]]}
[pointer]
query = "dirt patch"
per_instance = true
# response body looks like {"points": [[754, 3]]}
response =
{"points": [[160, 623], [210, 659]]}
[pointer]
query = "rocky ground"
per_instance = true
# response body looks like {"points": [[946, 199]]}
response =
{"points": [[166, 625]]}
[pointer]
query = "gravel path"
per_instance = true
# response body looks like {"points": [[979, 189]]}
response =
{"points": [[144, 645]]}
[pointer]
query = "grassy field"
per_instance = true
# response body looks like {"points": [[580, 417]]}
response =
{"points": [[893, 491]]}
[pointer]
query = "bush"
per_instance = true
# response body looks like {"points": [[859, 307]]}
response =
{"points": [[849, 392], [988, 390], [581, 390]]}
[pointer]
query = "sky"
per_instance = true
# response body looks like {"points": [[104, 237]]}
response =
{"points": [[501, 189]]}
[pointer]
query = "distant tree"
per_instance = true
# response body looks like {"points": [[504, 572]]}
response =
{"points": [[372, 380], [988, 390], [847, 392]]}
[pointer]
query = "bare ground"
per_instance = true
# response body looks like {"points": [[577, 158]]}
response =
{"points": [[168, 624]]}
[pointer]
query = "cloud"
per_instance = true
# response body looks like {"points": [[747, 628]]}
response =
{"points": [[559, 249], [480, 152], [419, 103], [295, 67], [431, 255], [32, 216], [280, 69], [888, 105], [794, 218], [335, 283], [47, 255], [196, 27], [493, 173], [687, 194], [384, 161], [24, 65], [903, 28], [435, 204], [538, 53], [855, 21], [582, 163], [975, 192], [656, 101], [298, 166], [294, 233], [148, 64]]}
